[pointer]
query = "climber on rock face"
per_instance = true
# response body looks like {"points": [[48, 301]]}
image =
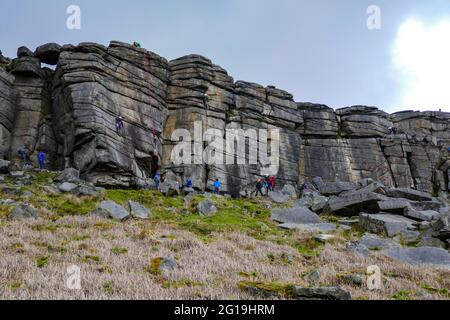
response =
{"points": [[119, 125], [206, 99], [136, 45]]}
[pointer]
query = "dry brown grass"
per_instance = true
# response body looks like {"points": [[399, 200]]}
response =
{"points": [[204, 271]]}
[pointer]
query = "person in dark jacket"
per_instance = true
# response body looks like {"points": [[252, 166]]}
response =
{"points": [[259, 186], [22, 155]]}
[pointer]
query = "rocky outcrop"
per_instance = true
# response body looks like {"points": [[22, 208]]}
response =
{"points": [[70, 113]]}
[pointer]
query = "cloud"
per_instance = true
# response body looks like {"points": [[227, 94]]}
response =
{"points": [[421, 57]]}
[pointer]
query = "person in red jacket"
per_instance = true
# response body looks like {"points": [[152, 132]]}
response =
{"points": [[272, 183]]}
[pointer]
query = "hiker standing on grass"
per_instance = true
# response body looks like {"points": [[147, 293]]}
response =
{"points": [[217, 186], [41, 160], [259, 187]]}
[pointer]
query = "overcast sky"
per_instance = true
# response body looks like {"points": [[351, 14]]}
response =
{"points": [[321, 50]]}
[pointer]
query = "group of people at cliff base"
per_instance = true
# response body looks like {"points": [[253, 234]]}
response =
{"points": [[23, 157]]}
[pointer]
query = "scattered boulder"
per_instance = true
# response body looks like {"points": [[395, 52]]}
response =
{"points": [[324, 238], [67, 187], [352, 204], [48, 53], [299, 215], [290, 191], [321, 293], [395, 206], [7, 202], [386, 224], [278, 197], [310, 227], [333, 188], [138, 211], [358, 248], [427, 215], [87, 190], [17, 174], [68, 175], [207, 208], [410, 194], [170, 188], [421, 256], [5, 166], [375, 243], [110, 209], [24, 211]]}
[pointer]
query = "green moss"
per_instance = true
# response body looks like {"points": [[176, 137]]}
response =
{"points": [[119, 250], [172, 284], [91, 258], [270, 289], [402, 295], [154, 267], [42, 262], [444, 291], [108, 287], [309, 248], [80, 237]]}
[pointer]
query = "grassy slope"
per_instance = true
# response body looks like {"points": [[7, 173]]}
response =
{"points": [[215, 255]]}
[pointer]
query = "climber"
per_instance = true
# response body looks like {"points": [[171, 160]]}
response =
{"points": [[206, 99], [259, 187], [272, 183], [119, 125], [157, 180], [41, 159], [392, 130], [189, 183], [22, 155], [267, 184], [136, 45], [217, 186]]}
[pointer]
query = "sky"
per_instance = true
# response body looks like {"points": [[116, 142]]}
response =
{"points": [[321, 51]]}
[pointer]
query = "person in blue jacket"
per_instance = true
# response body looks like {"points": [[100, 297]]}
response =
{"points": [[157, 179], [217, 186], [41, 159], [189, 183]]}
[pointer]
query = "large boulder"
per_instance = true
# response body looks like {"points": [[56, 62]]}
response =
{"points": [[67, 187], [48, 53], [170, 188], [321, 293], [354, 203], [299, 215], [68, 175], [24, 211], [207, 208], [422, 256], [5, 166], [278, 197], [333, 188], [387, 224], [410, 194], [426, 215], [24, 52], [110, 209], [137, 210], [290, 191]]}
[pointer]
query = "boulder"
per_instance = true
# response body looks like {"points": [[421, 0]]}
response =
{"points": [[207, 208], [67, 187], [278, 197], [48, 53], [17, 174], [406, 193], [24, 211], [375, 243], [395, 206], [321, 293], [310, 227], [68, 175], [422, 256], [333, 188], [24, 52], [427, 215], [352, 204], [137, 210], [170, 188], [5, 166], [290, 191], [386, 224], [299, 215], [110, 209]]}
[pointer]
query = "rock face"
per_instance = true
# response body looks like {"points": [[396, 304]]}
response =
{"points": [[70, 113]]}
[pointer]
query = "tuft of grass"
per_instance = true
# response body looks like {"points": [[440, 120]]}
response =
{"points": [[119, 250], [177, 284], [80, 237], [42, 262], [402, 295], [108, 287], [267, 289], [88, 258]]}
